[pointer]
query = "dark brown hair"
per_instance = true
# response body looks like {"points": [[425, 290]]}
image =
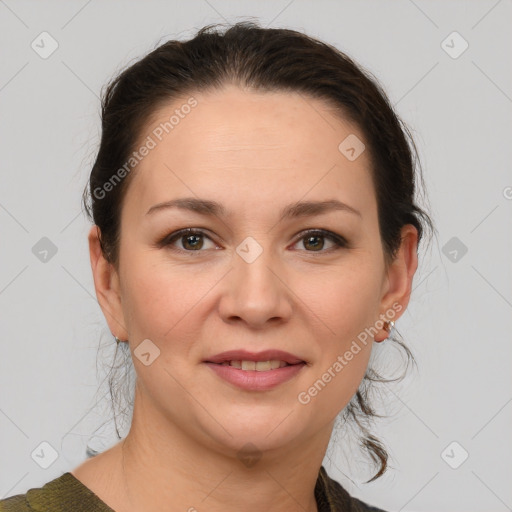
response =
{"points": [[266, 59]]}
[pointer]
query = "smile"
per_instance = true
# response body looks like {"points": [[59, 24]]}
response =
{"points": [[256, 375], [259, 366]]}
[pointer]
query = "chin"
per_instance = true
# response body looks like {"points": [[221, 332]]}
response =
{"points": [[257, 432]]}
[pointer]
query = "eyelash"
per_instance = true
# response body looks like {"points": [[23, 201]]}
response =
{"points": [[339, 241]]}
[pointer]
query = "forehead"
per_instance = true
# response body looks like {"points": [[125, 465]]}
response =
{"points": [[241, 145]]}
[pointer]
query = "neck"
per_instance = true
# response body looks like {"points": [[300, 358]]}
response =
{"points": [[160, 467]]}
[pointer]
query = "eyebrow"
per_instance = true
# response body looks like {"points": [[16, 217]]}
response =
{"points": [[213, 208]]}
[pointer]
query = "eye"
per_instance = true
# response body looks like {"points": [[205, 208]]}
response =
{"points": [[192, 240], [313, 238]]}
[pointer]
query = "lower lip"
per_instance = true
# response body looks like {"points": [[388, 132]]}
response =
{"points": [[253, 380]]}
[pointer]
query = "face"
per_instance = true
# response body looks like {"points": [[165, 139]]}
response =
{"points": [[259, 273]]}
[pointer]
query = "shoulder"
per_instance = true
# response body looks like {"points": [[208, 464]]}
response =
{"points": [[62, 494], [335, 498], [16, 503]]}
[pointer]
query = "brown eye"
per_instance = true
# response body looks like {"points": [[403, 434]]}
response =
{"points": [[191, 240], [314, 240]]}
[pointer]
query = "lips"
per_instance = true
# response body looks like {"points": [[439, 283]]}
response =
{"points": [[260, 371], [244, 355]]}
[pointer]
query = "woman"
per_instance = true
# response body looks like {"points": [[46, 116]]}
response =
{"points": [[255, 232]]}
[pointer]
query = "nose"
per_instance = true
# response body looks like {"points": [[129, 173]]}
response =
{"points": [[256, 292]]}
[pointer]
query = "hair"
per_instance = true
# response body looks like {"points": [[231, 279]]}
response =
{"points": [[263, 59]]}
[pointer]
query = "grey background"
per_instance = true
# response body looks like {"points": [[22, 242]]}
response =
{"points": [[458, 323]]}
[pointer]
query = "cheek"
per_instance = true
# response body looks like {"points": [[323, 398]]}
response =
{"points": [[343, 304], [160, 299], [343, 347], [344, 300]]}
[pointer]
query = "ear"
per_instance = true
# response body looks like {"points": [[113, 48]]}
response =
{"points": [[106, 283], [396, 289]]}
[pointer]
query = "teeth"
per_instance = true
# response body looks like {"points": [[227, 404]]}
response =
{"points": [[259, 366], [249, 365]]}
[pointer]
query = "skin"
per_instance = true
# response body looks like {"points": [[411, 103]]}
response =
{"points": [[254, 153]]}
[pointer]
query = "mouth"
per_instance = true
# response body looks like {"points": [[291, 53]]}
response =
{"points": [[260, 371], [260, 361], [259, 366]]}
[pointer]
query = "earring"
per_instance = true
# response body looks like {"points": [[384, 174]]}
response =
{"points": [[118, 340], [388, 326]]}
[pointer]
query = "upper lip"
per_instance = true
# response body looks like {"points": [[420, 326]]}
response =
{"points": [[265, 355]]}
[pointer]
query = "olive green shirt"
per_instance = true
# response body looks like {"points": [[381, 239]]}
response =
{"points": [[67, 494]]}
